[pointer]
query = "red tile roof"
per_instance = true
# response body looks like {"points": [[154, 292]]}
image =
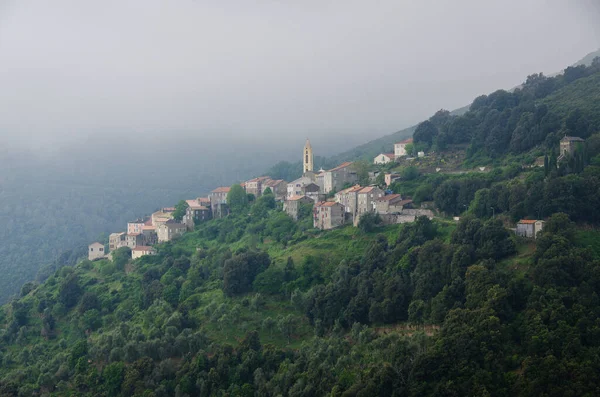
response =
{"points": [[389, 197], [343, 165], [148, 227], [367, 189], [528, 221], [390, 155], [404, 142], [296, 198], [143, 248], [203, 200], [326, 204], [222, 189]]}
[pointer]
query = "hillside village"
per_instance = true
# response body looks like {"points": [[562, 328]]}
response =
{"points": [[334, 196]]}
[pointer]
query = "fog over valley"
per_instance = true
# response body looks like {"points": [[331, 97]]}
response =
{"points": [[110, 110]]}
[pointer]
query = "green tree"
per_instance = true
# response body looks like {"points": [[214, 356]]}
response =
{"points": [[237, 199], [180, 210], [362, 168], [410, 173], [369, 221], [425, 133]]}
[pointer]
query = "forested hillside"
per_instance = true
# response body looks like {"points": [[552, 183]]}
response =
{"points": [[255, 304], [54, 206]]}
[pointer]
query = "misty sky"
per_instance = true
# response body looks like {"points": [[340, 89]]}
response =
{"points": [[277, 71]]}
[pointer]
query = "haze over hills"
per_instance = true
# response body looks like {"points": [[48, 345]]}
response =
{"points": [[495, 292], [65, 199]]}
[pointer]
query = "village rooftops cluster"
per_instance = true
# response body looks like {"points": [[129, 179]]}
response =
{"points": [[141, 234]]}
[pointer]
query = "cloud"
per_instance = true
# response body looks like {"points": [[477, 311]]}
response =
{"points": [[267, 70]]}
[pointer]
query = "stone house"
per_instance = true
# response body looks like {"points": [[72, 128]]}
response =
{"points": [[400, 147], [170, 230], [194, 213], [568, 145], [328, 215], [132, 240], [160, 217], [349, 199], [116, 241], [255, 186], [277, 186], [365, 201], [218, 202], [384, 158], [149, 233], [529, 227], [136, 226], [294, 188], [390, 204], [391, 178], [313, 191], [96, 251], [337, 177], [142, 250], [291, 205]]}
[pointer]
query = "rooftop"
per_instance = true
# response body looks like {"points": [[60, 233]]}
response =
{"points": [[572, 138], [296, 198], [343, 165], [143, 248], [390, 197], [222, 189], [404, 142], [327, 204], [527, 221], [367, 189]]}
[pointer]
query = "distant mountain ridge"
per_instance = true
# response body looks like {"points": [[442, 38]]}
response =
{"points": [[385, 144]]}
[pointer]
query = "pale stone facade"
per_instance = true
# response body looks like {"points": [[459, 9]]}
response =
{"points": [[160, 218], [142, 250], [529, 227], [218, 202], [328, 215], [365, 201], [170, 230], [132, 240], [96, 251], [568, 145], [400, 147], [384, 158], [291, 206], [116, 241], [349, 199], [294, 188], [135, 226], [337, 177], [390, 204]]}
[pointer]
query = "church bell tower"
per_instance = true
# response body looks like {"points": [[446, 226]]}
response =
{"points": [[307, 157]]}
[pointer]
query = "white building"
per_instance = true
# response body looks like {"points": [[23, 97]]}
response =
{"points": [[142, 250], [400, 147], [295, 188], [95, 251], [384, 158]]}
